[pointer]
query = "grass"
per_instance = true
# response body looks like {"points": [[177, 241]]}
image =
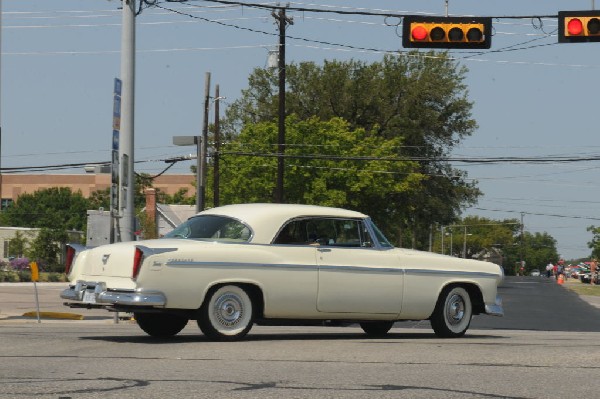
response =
{"points": [[582, 289]]}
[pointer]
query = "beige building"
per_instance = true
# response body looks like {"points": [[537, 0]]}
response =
{"points": [[13, 185], [8, 233]]}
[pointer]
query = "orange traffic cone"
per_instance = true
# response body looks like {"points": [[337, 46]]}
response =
{"points": [[560, 279]]}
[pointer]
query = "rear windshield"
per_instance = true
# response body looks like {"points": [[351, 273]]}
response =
{"points": [[212, 227]]}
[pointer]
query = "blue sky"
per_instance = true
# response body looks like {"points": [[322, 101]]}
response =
{"points": [[532, 96]]}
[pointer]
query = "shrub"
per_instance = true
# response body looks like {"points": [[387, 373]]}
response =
{"points": [[19, 264], [9, 276]]}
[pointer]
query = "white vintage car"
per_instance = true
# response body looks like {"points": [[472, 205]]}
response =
{"points": [[233, 266]]}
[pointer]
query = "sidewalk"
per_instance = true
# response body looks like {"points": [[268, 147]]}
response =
{"points": [[17, 299]]}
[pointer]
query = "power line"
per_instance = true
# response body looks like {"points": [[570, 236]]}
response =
{"points": [[538, 214], [382, 13]]}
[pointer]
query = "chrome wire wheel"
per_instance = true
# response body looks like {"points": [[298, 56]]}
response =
{"points": [[455, 309], [227, 311], [453, 312], [227, 314]]}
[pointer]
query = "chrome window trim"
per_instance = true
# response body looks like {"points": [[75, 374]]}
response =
{"points": [[213, 239]]}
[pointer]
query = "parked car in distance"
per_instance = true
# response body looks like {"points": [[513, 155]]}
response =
{"points": [[535, 273], [577, 271], [587, 278], [232, 266]]}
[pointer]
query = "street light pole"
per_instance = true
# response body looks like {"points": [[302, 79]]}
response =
{"points": [[126, 224]]}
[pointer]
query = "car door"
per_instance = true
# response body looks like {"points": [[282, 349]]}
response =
{"points": [[354, 274]]}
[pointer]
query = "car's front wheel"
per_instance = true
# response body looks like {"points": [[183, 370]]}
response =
{"points": [[453, 312], [160, 325], [227, 314], [376, 328]]}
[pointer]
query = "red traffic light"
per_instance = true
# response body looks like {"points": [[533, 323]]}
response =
{"points": [[447, 32], [574, 26], [578, 26], [419, 33]]}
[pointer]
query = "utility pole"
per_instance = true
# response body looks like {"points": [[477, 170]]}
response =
{"points": [[216, 192], [0, 106], [126, 224], [522, 265], [201, 174], [282, 21], [465, 242]]}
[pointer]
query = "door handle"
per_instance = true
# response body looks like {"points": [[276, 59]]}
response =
{"points": [[324, 249]]}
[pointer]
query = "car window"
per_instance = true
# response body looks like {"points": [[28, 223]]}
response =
{"points": [[383, 241], [326, 232], [212, 227]]}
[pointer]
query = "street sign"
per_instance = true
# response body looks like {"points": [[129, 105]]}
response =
{"points": [[185, 140]]}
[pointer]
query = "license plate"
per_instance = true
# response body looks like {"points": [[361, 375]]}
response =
{"points": [[89, 297]]}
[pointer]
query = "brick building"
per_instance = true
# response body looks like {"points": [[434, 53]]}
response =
{"points": [[14, 185]]}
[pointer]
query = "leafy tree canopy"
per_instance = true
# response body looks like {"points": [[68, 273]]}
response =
{"points": [[417, 101], [594, 245], [52, 208], [353, 168]]}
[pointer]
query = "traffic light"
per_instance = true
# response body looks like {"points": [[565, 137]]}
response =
{"points": [[578, 26], [447, 32]]}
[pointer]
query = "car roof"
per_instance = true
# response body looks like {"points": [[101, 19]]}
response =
{"points": [[266, 219]]}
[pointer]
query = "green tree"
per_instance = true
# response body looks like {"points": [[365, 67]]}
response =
{"points": [[100, 199], [481, 234], [47, 248], [354, 168], [179, 198], [418, 101], [538, 250], [594, 245], [52, 208], [18, 245]]}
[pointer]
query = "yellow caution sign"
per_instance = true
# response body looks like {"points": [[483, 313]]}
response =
{"points": [[35, 271]]}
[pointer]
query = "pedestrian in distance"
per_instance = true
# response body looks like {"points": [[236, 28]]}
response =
{"points": [[593, 269], [549, 269]]}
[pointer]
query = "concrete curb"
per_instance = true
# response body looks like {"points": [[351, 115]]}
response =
{"points": [[54, 315]]}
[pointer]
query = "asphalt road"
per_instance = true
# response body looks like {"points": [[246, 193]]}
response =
{"points": [[540, 304], [545, 347]]}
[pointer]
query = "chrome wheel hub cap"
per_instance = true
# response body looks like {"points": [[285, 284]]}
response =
{"points": [[455, 311], [228, 310]]}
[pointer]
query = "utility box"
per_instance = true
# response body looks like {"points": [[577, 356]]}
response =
{"points": [[98, 228]]}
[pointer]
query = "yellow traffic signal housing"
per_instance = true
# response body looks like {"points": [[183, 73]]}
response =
{"points": [[446, 32], [578, 26]]}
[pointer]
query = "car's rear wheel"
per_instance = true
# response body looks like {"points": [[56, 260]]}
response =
{"points": [[453, 312], [160, 325], [227, 313], [376, 328]]}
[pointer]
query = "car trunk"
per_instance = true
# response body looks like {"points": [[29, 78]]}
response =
{"points": [[110, 261]]}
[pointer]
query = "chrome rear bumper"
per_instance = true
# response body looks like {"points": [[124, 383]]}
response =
{"points": [[96, 293]]}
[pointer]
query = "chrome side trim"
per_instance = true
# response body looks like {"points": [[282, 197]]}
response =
{"points": [[186, 263], [343, 268], [453, 273], [362, 269], [155, 251]]}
